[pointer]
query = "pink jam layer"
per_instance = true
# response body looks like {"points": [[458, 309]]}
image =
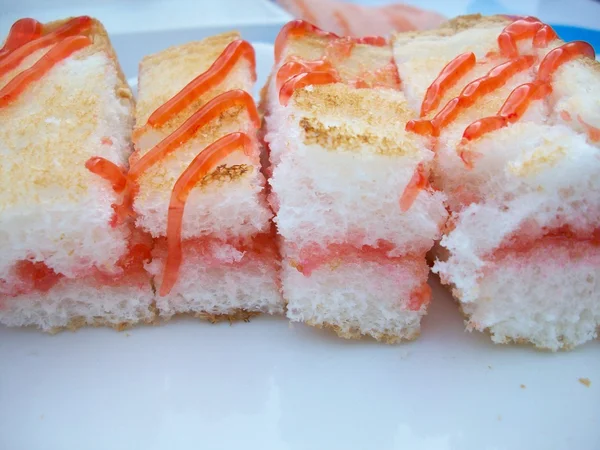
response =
{"points": [[553, 253], [313, 254], [311, 257], [415, 266], [38, 277], [530, 236], [213, 252]]}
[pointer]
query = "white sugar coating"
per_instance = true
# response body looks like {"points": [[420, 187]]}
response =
{"points": [[53, 209], [80, 302], [357, 297], [547, 296], [219, 283]]}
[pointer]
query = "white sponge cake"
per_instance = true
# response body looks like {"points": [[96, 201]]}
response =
{"points": [[356, 132], [56, 217], [223, 209], [521, 249], [359, 293], [192, 98], [349, 186]]}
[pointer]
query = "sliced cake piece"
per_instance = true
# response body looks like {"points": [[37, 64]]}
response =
{"points": [[67, 260], [517, 155], [199, 187], [350, 187]]}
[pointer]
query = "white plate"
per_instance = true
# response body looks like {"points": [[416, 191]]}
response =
{"points": [[271, 385]]}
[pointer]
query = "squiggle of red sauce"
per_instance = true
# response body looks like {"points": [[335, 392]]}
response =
{"points": [[521, 97], [120, 183], [417, 183], [524, 28], [300, 28], [223, 65], [447, 78], [22, 31], [297, 67], [73, 27], [302, 80], [215, 75], [25, 38], [297, 74], [206, 160], [209, 112], [472, 92]]}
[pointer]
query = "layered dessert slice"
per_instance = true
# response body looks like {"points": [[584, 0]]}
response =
{"points": [[350, 189], [513, 115], [199, 187], [67, 259]]}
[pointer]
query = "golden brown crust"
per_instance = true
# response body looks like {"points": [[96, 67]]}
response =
{"points": [[369, 105], [593, 64], [455, 26], [356, 333], [225, 174], [164, 74], [336, 137], [264, 93], [123, 90], [79, 322], [101, 42], [465, 22], [236, 315], [51, 138], [210, 48], [339, 117]]}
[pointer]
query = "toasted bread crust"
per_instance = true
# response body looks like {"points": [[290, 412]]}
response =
{"points": [[101, 42], [190, 59], [236, 315], [340, 117], [455, 26], [460, 23], [357, 334], [185, 63], [56, 159]]}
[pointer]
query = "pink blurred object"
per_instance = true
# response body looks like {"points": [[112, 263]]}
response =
{"points": [[347, 19]]}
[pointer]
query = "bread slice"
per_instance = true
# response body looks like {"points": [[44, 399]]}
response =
{"points": [[354, 254], [521, 251], [57, 228], [222, 271], [358, 292]]}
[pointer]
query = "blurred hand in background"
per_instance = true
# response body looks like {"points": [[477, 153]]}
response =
{"points": [[347, 19]]}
